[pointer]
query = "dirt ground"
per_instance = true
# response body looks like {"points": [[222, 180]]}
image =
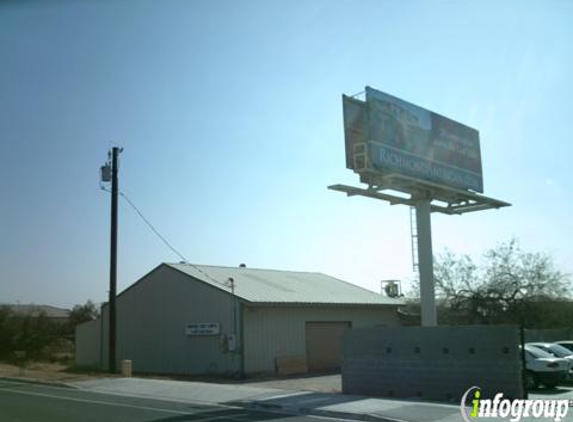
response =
{"points": [[326, 383], [50, 372], [56, 372]]}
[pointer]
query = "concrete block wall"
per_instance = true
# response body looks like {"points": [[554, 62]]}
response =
{"points": [[434, 363], [548, 335]]}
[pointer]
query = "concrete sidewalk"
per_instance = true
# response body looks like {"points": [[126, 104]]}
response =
{"points": [[333, 405], [297, 402]]}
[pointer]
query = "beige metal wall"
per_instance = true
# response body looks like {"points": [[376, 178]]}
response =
{"points": [[275, 332], [324, 344], [88, 344], [151, 318]]}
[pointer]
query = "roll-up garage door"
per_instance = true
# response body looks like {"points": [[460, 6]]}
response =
{"points": [[324, 344]]}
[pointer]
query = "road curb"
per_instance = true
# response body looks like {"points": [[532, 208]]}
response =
{"points": [[39, 382], [315, 412]]}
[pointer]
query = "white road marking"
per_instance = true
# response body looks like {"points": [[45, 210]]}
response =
{"points": [[108, 403], [238, 417], [214, 418]]}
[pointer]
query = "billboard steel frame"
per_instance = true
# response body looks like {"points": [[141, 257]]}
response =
{"points": [[425, 197]]}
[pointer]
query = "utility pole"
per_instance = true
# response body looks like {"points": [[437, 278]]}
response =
{"points": [[113, 260], [108, 175]]}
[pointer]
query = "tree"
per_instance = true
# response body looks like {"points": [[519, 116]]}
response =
{"points": [[83, 313], [34, 335], [37, 335], [8, 330], [500, 291], [80, 314]]}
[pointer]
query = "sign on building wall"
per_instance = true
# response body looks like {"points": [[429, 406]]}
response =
{"points": [[401, 138], [202, 329]]}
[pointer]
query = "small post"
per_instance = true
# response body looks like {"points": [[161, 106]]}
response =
{"points": [[426, 263], [20, 356], [523, 365], [126, 368]]}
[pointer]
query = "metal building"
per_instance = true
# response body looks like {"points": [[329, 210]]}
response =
{"points": [[189, 319]]}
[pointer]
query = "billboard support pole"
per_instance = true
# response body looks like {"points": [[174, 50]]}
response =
{"points": [[426, 263]]}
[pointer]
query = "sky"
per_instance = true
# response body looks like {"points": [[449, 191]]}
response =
{"points": [[230, 115]]}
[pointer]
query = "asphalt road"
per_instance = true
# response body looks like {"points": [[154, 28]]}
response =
{"points": [[22, 402]]}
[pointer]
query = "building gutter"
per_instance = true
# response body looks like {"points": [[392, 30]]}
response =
{"points": [[242, 373]]}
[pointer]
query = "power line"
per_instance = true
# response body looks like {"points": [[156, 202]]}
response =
{"points": [[163, 239], [153, 228]]}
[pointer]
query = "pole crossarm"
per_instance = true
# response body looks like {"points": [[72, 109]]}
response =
{"points": [[445, 200]]}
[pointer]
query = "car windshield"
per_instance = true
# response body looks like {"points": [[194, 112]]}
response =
{"points": [[567, 346], [541, 347], [560, 351], [537, 353]]}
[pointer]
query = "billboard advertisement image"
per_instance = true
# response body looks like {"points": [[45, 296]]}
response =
{"points": [[409, 140]]}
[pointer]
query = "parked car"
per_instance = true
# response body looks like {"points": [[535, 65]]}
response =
{"points": [[568, 344], [558, 352], [543, 368]]}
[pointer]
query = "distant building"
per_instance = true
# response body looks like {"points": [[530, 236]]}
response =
{"points": [[188, 319], [34, 311]]}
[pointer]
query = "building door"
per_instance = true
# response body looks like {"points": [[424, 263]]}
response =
{"points": [[324, 344]]}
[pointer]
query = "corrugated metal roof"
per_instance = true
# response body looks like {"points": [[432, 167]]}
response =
{"points": [[35, 310], [275, 287]]}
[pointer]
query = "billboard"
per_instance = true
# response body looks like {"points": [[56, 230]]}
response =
{"points": [[401, 138]]}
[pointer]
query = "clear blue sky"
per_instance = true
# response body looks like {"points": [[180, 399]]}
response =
{"points": [[231, 118]]}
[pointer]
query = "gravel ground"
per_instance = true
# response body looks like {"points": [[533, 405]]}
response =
{"points": [[323, 383], [51, 372], [56, 372]]}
